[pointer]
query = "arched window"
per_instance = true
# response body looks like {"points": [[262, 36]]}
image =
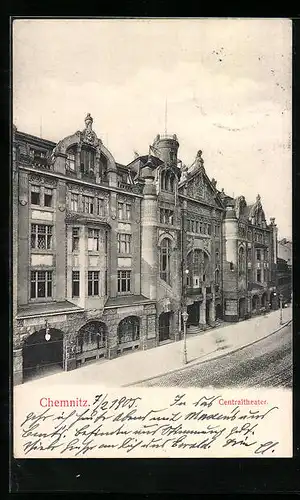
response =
{"points": [[167, 181], [71, 159], [165, 258], [198, 265], [103, 167], [91, 336], [205, 267], [241, 260], [217, 276], [87, 160], [129, 329]]}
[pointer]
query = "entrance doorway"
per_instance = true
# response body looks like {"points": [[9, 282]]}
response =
{"points": [[164, 326], [255, 303], [264, 300], [207, 307], [193, 312], [219, 314], [242, 308], [41, 356]]}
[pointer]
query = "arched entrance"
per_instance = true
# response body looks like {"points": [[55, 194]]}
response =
{"points": [[164, 326], [193, 314], [264, 300], [242, 308], [255, 303], [91, 342], [128, 333], [41, 356]]}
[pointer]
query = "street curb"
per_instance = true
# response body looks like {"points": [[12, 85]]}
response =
{"points": [[218, 356]]}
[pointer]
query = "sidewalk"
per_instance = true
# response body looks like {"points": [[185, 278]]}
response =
{"points": [[141, 365]]}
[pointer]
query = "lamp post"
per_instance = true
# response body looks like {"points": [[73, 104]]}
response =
{"points": [[280, 304], [185, 316]]}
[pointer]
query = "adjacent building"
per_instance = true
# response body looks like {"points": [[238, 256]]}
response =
{"points": [[107, 256]]}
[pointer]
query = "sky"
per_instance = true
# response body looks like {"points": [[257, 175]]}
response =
{"points": [[227, 84]]}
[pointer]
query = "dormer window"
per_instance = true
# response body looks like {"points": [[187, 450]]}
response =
{"points": [[87, 160]]}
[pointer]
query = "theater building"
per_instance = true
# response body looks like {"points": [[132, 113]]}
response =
{"points": [[106, 256]]}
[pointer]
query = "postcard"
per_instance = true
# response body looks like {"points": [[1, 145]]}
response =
{"points": [[152, 238]]}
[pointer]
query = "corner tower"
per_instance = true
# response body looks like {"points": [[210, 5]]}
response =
{"points": [[166, 148]]}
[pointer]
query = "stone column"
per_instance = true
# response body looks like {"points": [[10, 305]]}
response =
{"points": [[60, 241], [212, 309], [143, 333], [249, 306], [174, 334], [202, 315], [112, 342], [149, 250], [23, 239], [113, 247], [17, 366], [69, 347]]}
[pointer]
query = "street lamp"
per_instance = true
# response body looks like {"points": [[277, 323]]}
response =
{"points": [[280, 303], [184, 317], [47, 333]]}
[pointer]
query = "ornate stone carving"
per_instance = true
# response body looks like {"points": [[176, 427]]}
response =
{"points": [[88, 135], [39, 179]]}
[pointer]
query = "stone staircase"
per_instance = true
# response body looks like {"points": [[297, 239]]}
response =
{"points": [[197, 330]]}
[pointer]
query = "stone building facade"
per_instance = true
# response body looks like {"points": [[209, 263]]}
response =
{"points": [[106, 256]]}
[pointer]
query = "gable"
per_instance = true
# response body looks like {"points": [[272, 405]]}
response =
{"points": [[199, 187]]}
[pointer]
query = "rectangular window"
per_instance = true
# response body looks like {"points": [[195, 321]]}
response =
{"points": [[124, 243], [205, 229], [93, 240], [48, 197], [75, 239], [88, 204], [74, 202], [41, 236], [75, 283], [41, 284], [200, 227], [193, 226], [100, 206], [124, 281], [120, 210], [258, 275], [209, 229], [128, 211], [93, 283], [70, 163], [197, 226], [124, 211], [35, 195], [257, 254]]}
